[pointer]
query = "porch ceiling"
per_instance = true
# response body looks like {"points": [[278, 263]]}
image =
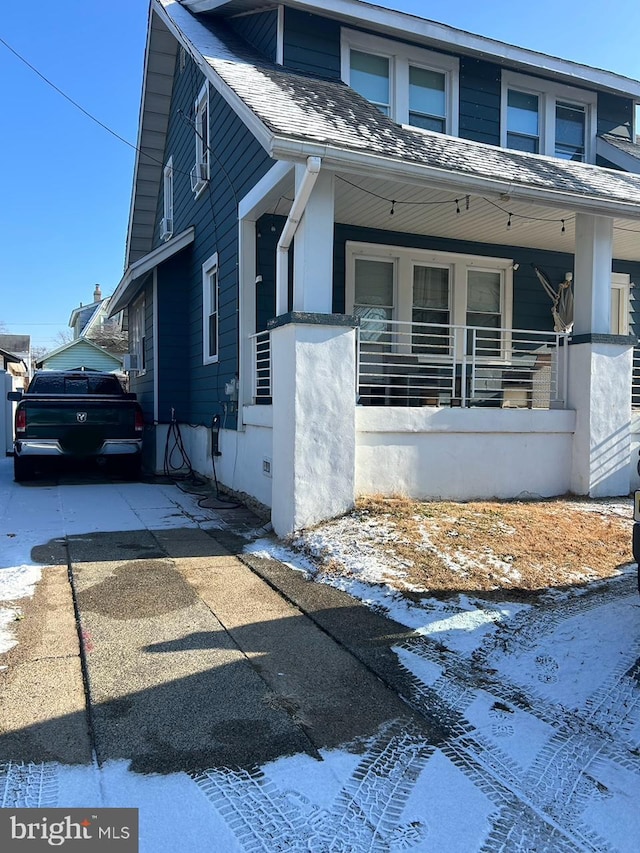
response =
{"points": [[367, 202]]}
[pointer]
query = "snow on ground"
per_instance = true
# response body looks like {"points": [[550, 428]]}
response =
{"points": [[540, 708]]}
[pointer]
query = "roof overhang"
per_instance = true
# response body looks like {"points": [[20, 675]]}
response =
{"points": [[131, 281], [371, 165], [433, 34], [620, 158], [10, 356]]}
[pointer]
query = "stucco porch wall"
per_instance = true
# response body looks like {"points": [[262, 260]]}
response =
{"points": [[240, 464], [635, 450], [462, 454]]}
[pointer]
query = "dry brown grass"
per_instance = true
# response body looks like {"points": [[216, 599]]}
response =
{"points": [[492, 545]]}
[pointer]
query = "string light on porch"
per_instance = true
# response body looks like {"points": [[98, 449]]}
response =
{"points": [[510, 214]]}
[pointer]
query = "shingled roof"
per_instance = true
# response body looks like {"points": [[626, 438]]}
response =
{"points": [[298, 112]]}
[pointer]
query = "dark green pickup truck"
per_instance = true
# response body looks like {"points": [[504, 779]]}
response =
{"points": [[76, 414]]}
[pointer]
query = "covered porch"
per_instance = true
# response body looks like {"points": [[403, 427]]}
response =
{"points": [[406, 332]]}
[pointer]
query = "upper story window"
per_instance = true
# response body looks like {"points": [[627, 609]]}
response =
{"points": [[411, 85], [200, 172], [543, 117], [166, 224]]}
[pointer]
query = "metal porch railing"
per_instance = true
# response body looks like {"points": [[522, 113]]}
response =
{"points": [[425, 364]]}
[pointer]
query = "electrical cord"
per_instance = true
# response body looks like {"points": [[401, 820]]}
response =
{"points": [[176, 459]]}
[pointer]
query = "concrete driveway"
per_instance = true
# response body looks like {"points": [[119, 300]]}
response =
{"points": [[240, 706]]}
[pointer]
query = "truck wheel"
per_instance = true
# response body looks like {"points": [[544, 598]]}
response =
{"points": [[22, 469]]}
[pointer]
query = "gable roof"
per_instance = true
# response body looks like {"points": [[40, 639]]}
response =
{"points": [[9, 356], [16, 344], [295, 115], [81, 344], [429, 33]]}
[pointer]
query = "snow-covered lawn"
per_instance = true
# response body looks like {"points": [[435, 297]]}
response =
{"points": [[538, 704]]}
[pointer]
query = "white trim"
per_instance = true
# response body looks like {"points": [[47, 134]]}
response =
{"points": [[257, 200], [280, 37], [375, 165], [626, 162], [549, 93], [138, 322], [156, 346], [202, 131], [246, 312], [621, 282], [209, 268], [401, 57], [126, 289], [166, 225], [458, 264]]}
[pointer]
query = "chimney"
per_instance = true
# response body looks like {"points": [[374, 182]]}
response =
{"points": [[97, 294]]}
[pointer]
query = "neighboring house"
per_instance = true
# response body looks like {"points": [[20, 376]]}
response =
{"points": [[15, 357], [93, 322], [80, 354], [336, 214]]}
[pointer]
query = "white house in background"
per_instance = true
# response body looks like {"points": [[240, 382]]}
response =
{"points": [[337, 215]]}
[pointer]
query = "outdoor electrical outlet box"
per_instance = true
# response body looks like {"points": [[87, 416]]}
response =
{"points": [[266, 467]]}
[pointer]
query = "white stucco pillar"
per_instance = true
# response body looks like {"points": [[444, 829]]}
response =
{"points": [[592, 274], [600, 369], [313, 390], [313, 248]]}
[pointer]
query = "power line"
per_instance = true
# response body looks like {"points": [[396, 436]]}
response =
{"points": [[67, 97]]}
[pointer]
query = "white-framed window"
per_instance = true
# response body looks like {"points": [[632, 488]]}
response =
{"points": [[439, 288], [413, 86], [620, 303], [166, 223], [543, 117], [210, 310], [137, 334], [200, 171]]}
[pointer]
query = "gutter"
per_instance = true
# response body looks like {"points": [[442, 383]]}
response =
{"points": [[373, 165], [298, 207]]}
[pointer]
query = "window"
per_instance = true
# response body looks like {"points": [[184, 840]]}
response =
{"points": [[436, 288], [137, 337], [200, 172], [210, 310], [166, 224], [374, 296], [411, 85], [484, 309], [431, 304], [369, 75], [542, 117], [620, 291]]}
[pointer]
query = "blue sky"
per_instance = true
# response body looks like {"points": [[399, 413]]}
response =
{"points": [[66, 182]]}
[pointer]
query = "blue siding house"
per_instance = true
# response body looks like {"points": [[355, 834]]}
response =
{"points": [[369, 252]]}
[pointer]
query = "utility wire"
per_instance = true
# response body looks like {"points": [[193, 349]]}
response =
{"points": [[67, 97]]}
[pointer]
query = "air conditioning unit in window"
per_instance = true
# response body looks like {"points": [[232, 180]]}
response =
{"points": [[199, 176], [166, 228], [130, 362]]}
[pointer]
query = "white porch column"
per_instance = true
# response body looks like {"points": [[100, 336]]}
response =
{"points": [[600, 368], [313, 248], [592, 274], [313, 360]]}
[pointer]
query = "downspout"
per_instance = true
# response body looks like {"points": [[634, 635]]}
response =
{"points": [[288, 232]]}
